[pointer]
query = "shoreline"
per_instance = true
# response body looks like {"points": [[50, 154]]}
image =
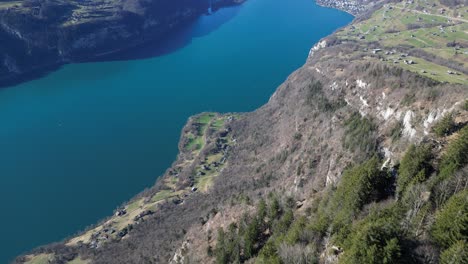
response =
{"points": [[160, 178]]}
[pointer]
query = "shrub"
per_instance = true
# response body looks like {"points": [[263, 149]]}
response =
{"points": [[317, 98], [320, 216], [432, 94], [295, 231], [250, 238], [320, 225], [396, 131], [261, 210], [445, 126], [297, 136], [268, 254], [221, 254], [408, 99], [283, 224], [275, 209], [451, 222]]}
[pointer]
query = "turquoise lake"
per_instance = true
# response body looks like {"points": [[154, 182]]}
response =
{"points": [[82, 140]]}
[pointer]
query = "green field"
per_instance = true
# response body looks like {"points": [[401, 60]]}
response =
{"points": [[162, 195], [418, 26], [195, 142], [78, 261], [133, 206]]}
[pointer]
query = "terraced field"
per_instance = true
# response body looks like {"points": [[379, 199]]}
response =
{"points": [[210, 165], [420, 36]]}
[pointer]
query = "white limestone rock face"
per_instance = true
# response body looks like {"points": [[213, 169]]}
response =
{"points": [[320, 45], [408, 129], [361, 84], [387, 113]]}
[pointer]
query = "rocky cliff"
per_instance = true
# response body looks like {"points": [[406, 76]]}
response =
{"points": [[38, 35], [359, 157]]}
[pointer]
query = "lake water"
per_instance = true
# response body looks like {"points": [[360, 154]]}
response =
{"points": [[82, 140]]}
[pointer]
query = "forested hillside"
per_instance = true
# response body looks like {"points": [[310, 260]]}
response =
{"points": [[360, 156]]}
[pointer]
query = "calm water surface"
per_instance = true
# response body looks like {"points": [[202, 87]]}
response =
{"points": [[80, 141]]}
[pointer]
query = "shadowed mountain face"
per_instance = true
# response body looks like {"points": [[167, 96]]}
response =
{"points": [[39, 35]]}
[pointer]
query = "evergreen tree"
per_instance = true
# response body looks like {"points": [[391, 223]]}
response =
{"points": [[451, 222], [456, 254], [415, 166]]}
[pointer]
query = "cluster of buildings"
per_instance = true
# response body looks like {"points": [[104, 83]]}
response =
{"points": [[351, 6]]}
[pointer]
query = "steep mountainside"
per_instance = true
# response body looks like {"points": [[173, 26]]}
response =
{"points": [[39, 34], [359, 157]]}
